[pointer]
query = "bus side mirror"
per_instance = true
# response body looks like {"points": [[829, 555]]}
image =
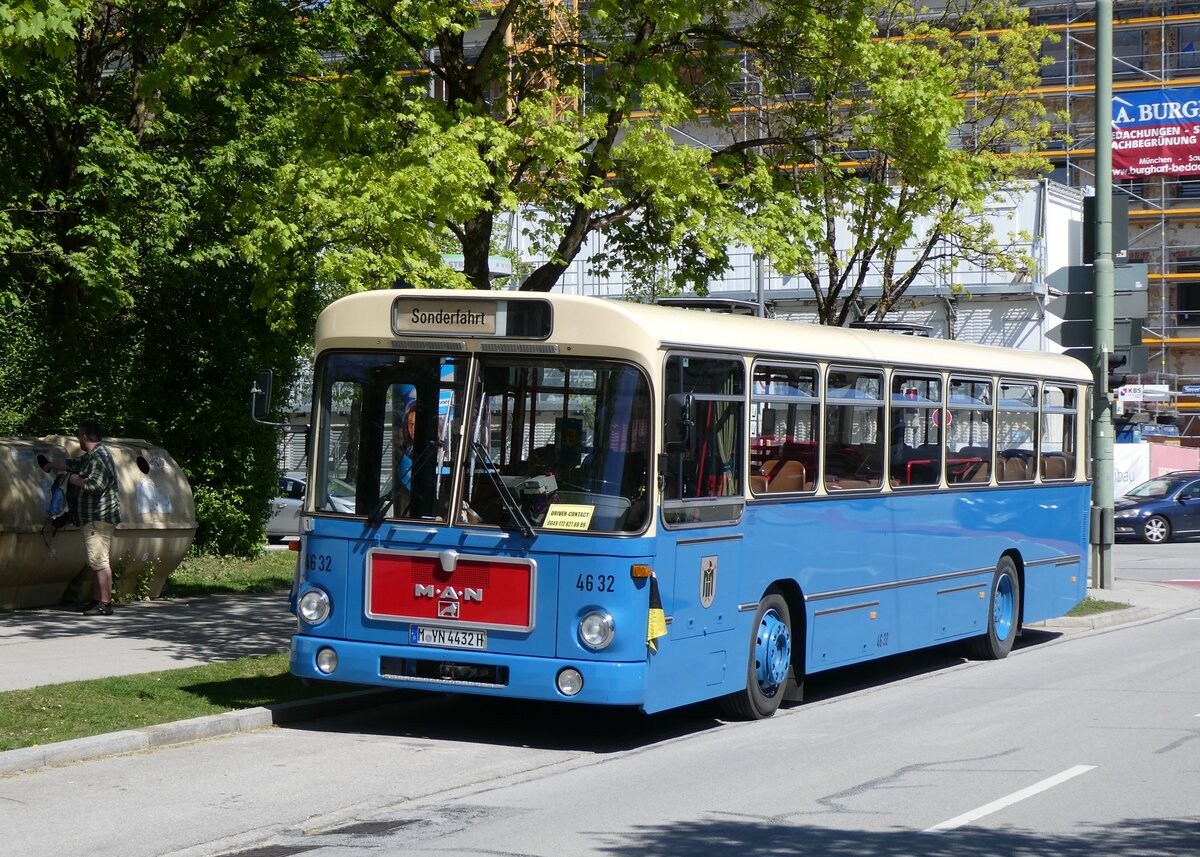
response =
{"points": [[680, 422], [260, 396]]}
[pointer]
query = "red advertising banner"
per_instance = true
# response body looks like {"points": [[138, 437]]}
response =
{"points": [[1156, 132]]}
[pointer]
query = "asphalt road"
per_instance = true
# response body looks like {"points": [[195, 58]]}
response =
{"points": [[1175, 561], [1077, 744]]}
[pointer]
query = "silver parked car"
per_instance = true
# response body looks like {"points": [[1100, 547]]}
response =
{"points": [[286, 506]]}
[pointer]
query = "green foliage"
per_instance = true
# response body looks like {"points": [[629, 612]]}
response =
{"points": [[186, 183], [224, 523], [130, 134], [894, 144]]}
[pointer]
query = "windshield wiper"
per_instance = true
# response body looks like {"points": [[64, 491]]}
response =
{"points": [[510, 503]]}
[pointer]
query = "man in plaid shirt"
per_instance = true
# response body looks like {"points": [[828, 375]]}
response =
{"points": [[95, 475]]}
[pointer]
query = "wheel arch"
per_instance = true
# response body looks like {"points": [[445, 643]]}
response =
{"points": [[1019, 562], [794, 596]]}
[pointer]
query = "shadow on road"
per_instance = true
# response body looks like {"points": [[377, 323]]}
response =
{"points": [[760, 837], [600, 729]]}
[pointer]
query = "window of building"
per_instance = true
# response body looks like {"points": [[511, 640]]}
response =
{"points": [[1187, 46], [1187, 292]]}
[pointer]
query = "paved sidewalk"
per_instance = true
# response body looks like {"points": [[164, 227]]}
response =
{"points": [[50, 646], [54, 645]]}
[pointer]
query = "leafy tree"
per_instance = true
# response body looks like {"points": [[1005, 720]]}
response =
{"points": [[129, 134], [901, 139], [436, 123]]}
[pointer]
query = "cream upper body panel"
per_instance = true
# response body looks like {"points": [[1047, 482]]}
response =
{"points": [[641, 332]]}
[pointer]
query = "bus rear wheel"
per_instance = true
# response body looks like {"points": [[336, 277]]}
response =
{"points": [[1004, 611], [770, 663]]}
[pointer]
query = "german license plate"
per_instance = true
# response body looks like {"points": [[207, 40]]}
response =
{"points": [[450, 638]]}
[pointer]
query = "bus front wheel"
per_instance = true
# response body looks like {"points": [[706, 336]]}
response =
{"points": [[1004, 611], [770, 663]]}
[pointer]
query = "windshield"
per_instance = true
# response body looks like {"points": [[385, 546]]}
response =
{"points": [[563, 444], [1154, 488], [386, 427], [554, 445]]}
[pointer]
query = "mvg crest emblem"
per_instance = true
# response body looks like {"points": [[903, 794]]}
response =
{"points": [[708, 581]]}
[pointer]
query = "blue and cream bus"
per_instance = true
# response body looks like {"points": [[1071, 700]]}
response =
{"points": [[565, 498]]}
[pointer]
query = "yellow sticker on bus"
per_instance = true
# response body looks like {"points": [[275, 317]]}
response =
{"points": [[568, 516]]}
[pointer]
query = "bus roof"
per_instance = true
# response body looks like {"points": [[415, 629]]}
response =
{"points": [[364, 320]]}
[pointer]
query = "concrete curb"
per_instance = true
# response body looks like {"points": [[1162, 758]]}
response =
{"points": [[187, 731], [1101, 620]]}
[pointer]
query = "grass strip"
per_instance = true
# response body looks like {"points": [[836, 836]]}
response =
{"points": [[60, 712], [1091, 606], [270, 571]]}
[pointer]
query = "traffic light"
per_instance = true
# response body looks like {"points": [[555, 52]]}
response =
{"points": [[1116, 378]]}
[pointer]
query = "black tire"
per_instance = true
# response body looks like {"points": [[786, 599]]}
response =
{"points": [[770, 663], [1155, 530], [1004, 615]]}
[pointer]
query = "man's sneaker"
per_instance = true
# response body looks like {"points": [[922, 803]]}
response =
{"points": [[101, 608], [88, 605]]}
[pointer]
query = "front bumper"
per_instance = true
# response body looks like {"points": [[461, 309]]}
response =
{"points": [[524, 677]]}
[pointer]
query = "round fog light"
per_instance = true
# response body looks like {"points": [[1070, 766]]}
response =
{"points": [[327, 661], [596, 630], [569, 681], [314, 606]]}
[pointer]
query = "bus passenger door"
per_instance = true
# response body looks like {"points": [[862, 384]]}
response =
{"points": [[701, 541]]}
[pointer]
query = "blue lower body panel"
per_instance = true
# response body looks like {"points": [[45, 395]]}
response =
{"points": [[460, 671]]}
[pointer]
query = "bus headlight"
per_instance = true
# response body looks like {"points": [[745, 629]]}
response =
{"points": [[596, 630], [314, 606]]}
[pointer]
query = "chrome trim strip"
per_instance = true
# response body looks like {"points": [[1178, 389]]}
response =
{"points": [[705, 539], [847, 608], [882, 587], [449, 681], [933, 578], [1070, 559], [966, 588], [746, 608]]}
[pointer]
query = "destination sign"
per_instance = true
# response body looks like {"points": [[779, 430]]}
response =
{"points": [[414, 315], [444, 317]]}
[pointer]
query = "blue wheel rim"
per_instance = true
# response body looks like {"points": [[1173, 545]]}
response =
{"points": [[772, 653], [1004, 607]]}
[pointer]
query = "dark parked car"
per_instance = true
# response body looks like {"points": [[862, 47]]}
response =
{"points": [[1161, 508]]}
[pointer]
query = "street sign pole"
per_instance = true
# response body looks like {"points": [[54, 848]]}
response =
{"points": [[1102, 342]]}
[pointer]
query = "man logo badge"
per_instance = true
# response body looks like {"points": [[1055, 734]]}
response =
{"points": [[708, 581], [447, 609]]}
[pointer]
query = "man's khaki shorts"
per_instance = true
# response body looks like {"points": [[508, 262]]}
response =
{"points": [[97, 540]]}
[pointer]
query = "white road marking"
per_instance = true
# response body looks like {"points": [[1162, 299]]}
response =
{"points": [[1015, 797]]}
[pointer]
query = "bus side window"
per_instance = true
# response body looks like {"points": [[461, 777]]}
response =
{"points": [[705, 465]]}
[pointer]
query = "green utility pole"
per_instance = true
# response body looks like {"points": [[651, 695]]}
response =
{"points": [[1102, 343]]}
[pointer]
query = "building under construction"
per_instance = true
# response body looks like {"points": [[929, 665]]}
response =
{"points": [[1156, 62]]}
